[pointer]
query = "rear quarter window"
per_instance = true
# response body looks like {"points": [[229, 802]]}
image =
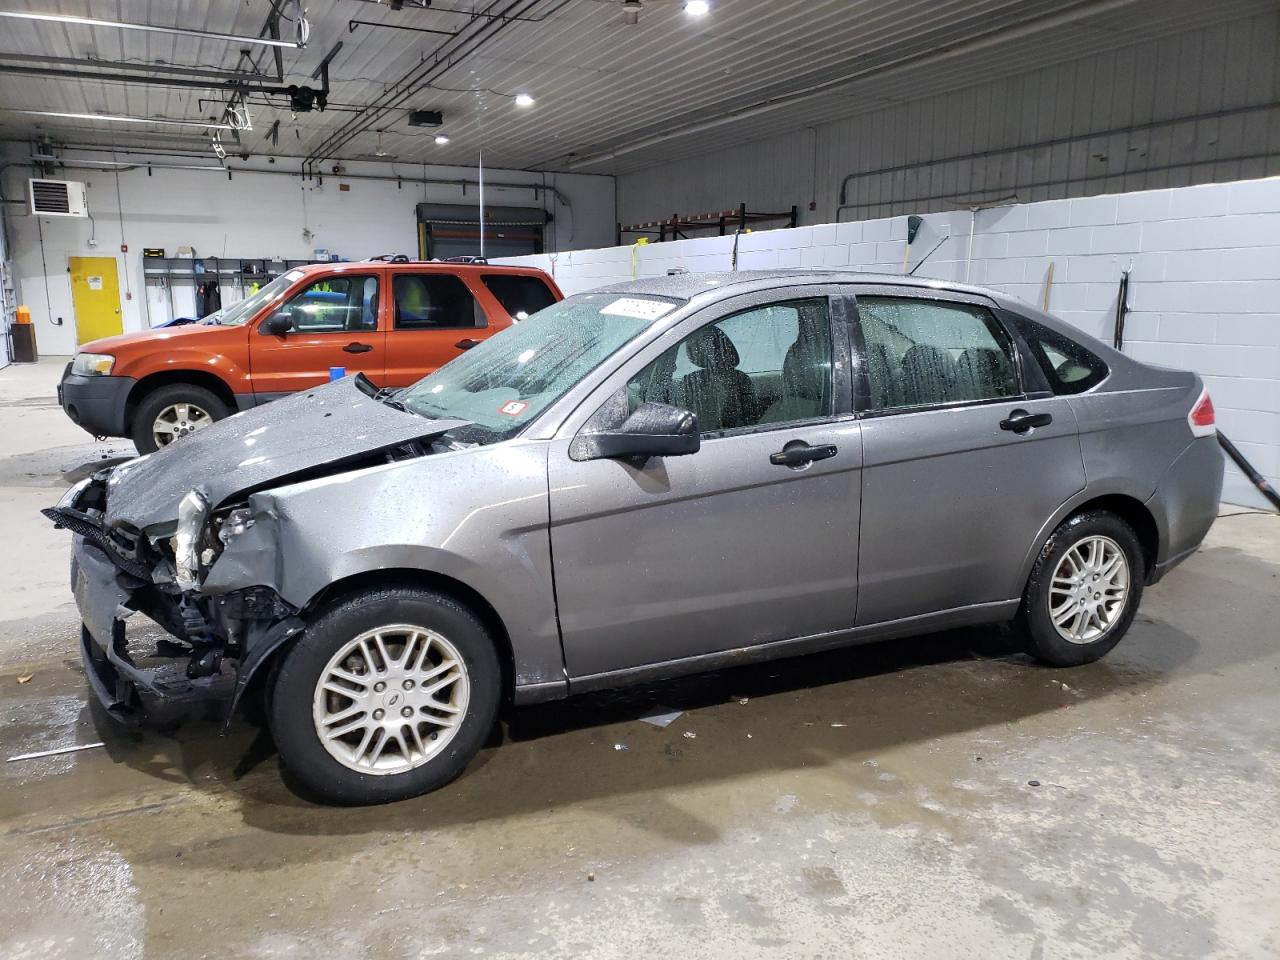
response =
{"points": [[521, 296], [1068, 366]]}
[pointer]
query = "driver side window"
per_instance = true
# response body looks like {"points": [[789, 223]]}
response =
{"points": [[335, 304], [766, 365]]}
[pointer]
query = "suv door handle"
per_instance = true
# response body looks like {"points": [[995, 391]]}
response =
{"points": [[357, 348], [467, 344], [1020, 421], [797, 453]]}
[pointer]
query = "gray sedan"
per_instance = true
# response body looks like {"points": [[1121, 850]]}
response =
{"points": [[648, 480]]}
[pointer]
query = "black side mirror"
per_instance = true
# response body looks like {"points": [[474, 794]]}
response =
{"points": [[654, 430], [278, 323]]}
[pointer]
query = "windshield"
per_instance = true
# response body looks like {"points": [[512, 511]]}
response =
{"points": [[504, 382], [243, 311]]}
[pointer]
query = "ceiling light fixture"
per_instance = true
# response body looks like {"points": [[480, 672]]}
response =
{"points": [[120, 118], [441, 139], [697, 8], [524, 100], [150, 28]]}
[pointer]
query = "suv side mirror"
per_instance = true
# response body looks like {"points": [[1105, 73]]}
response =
{"points": [[278, 323], [654, 430]]}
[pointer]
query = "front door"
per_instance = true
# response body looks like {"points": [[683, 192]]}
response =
{"points": [[336, 323], [749, 540], [962, 468], [95, 295]]}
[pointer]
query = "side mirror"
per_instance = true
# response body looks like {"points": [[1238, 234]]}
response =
{"points": [[654, 430], [278, 323]]}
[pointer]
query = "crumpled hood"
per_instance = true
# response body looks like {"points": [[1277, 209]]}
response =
{"points": [[313, 429]]}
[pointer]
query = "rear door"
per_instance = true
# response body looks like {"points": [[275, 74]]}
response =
{"points": [[750, 540], [963, 466], [337, 322], [435, 316]]}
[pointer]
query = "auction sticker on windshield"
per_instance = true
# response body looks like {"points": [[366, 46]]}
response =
{"points": [[514, 408], [637, 309]]}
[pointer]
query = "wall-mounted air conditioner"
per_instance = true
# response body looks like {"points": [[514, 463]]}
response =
{"points": [[57, 198]]}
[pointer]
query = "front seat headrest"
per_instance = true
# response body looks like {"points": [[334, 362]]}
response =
{"points": [[804, 370], [711, 348]]}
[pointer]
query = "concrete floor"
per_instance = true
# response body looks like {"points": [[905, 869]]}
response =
{"points": [[870, 803]]}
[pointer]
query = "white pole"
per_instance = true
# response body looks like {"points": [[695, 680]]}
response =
{"points": [[481, 201]]}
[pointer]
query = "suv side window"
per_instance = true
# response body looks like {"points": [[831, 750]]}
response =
{"points": [[335, 304], [1068, 366], [434, 301], [766, 365], [521, 296], [923, 353]]}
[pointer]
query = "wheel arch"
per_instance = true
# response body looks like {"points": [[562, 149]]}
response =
{"points": [[164, 378]]}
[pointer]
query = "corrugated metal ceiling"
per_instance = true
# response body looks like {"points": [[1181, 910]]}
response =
{"points": [[609, 97]]}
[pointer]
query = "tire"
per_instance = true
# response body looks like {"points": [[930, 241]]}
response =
{"points": [[1110, 620], [175, 396], [349, 769]]}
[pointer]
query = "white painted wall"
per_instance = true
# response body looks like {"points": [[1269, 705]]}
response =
{"points": [[1204, 289], [1041, 134], [253, 215]]}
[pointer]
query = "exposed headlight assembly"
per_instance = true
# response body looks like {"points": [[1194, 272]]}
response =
{"points": [[92, 364], [193, 511], [236, 523]]}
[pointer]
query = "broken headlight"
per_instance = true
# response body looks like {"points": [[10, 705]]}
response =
{"points": [[192, 513], [236, 523]]}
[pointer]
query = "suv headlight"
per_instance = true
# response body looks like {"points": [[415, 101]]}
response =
{"points": [[92, 364], [192, 513]]}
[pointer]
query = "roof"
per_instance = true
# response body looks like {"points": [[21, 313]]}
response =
{"points": [[685, 286]]}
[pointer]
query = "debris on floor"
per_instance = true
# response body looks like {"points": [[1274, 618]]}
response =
{"points": [[54, 753], [690, 735], [25, 678], [839, 725], [621, 746], [661, 716]]}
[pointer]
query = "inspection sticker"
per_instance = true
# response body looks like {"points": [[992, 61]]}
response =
{"points": [[637, 309], [513, 408]]}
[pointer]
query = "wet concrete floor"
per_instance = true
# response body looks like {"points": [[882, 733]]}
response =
{"points": [[940, 797]]}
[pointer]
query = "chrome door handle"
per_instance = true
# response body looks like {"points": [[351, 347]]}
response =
{"points": [[797, 453], [1020, 421]]}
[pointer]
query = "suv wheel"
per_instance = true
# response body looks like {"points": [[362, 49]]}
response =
{"points": [[388, 694], [169, 413], [1083, 591]]}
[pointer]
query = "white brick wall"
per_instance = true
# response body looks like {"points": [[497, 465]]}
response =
{"points": [[1204, 289]]}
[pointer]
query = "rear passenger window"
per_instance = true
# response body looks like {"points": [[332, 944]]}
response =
{"points": [[434, 301], [520, 296], [1067, 365], [923, 353]]}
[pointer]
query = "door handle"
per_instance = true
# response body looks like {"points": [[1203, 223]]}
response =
{"points": [[357, 348], [1020, 421], [467, 344], [797, 453]]}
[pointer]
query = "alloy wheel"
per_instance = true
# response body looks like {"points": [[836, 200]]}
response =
{"points": [[391, 699], [1089, 589], [178, 420]]}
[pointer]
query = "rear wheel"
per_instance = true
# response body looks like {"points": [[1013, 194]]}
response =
{"points": [[171, 412], [388, 694], [1083, 591]]}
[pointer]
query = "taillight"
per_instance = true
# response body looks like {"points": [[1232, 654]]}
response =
{"points": [[1201, 418]]}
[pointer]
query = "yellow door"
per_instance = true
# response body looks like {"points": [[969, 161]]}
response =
{"points": [[95, 293]]}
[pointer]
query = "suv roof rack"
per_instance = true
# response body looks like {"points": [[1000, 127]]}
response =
{"points": [[391, 257], [465, 259]]}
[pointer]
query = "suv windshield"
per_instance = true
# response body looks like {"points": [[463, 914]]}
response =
{"points": [[243, 311], [506, 381]]}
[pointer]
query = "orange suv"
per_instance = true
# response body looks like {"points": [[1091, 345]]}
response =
{"points": [[393, 320]]}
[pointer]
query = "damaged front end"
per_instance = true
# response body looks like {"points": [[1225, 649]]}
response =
{"points": [[215, 642]]}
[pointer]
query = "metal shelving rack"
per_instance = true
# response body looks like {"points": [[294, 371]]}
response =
{"points": [[236, 274], [677, 227]]}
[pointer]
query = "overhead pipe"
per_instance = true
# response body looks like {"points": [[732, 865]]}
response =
{"points": [[153, 28], [770, 104], [140, 67]]}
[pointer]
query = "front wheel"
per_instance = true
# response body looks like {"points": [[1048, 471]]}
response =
{"points": [[1083, 591], [172, 412], [388, 694]]}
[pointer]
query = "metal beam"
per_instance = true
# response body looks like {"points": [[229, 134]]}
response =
{"points": [[139, 67], [149, 28]]}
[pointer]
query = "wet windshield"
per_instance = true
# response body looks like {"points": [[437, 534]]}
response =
{"points": [[243, 311], [506, 381]]}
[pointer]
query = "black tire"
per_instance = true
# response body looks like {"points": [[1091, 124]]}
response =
{"points": [[1043, 641], [290, 708], [145, 413]]}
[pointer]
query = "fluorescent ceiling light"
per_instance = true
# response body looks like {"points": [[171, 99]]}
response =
{"points": [[441, 139], [524, 100], [121, 25], [697, 8], [119, 118]]}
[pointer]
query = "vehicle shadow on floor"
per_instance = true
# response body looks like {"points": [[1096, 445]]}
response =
{"points": [[806, 711]]}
